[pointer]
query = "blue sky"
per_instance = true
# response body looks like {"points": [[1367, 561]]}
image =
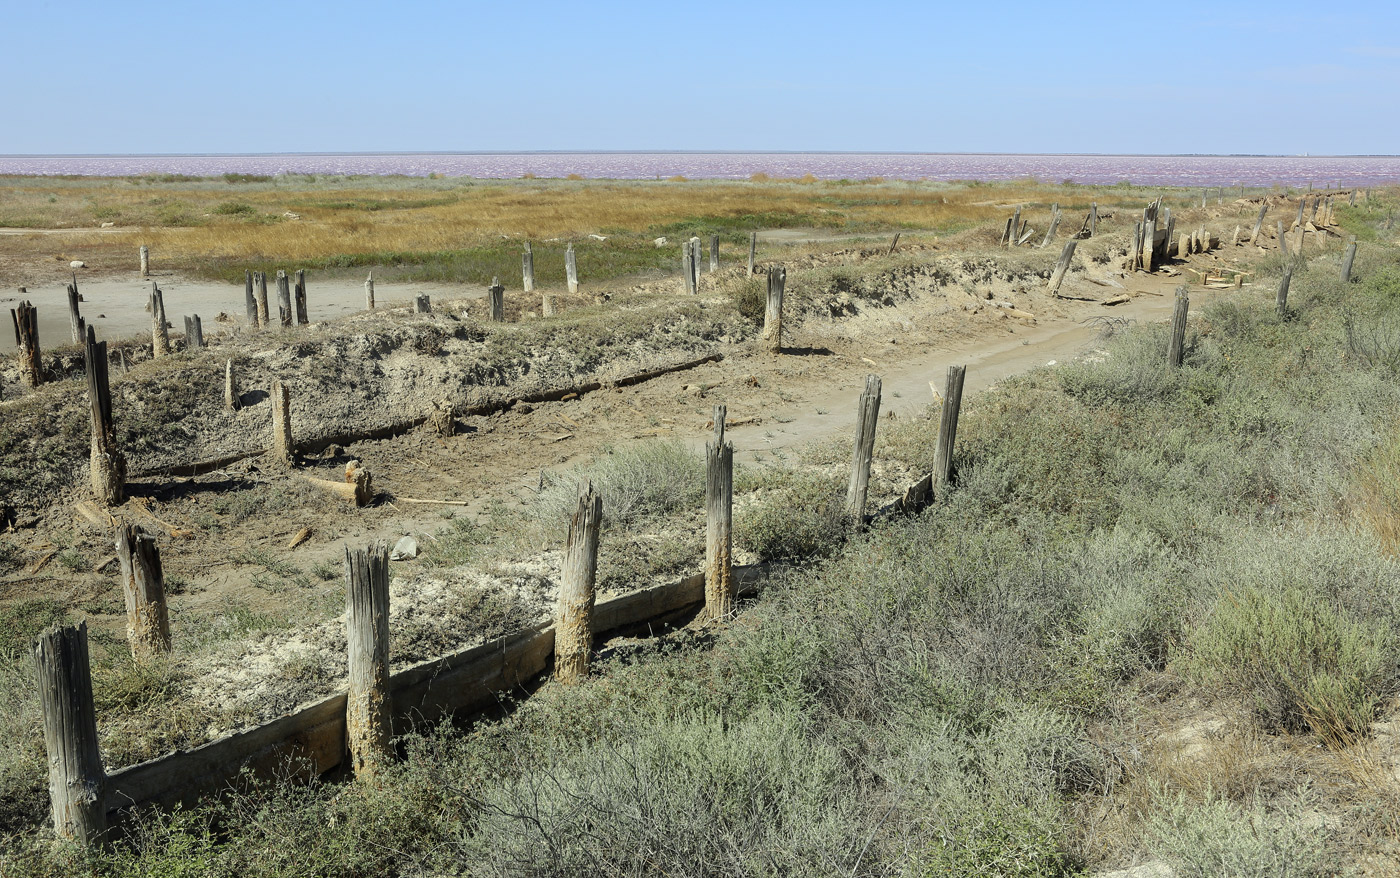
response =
{"points": [[1219, 77]]}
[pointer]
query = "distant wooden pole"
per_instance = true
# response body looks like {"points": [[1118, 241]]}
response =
{"points": [[1093, 219], [773, 314], [1281, 303], [232, 400], [1176, 348], [527, 267], [284, 299], [75, 317], [696, 259], [143, 583], [260, 290], [160, 333], [867, 417], [573, 623], [1054, 226], [753, 250], [1061, 267], [369, 292], [145, 261], [688, 268], [108, 464], [948, 431], [250, 302], [1015, 227], [303, 316], [571, 269], [423, 304], [714, 253], [719, 530], [26, 321], [893, 245], [369, 702], [77, 783], [282, 445], [1258, 223], [1347, 259], [497, 295]]}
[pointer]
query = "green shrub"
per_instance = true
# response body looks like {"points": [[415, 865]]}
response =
{"points": [[803, 516], [750, 298], [1303, 664], [639, 483], [1219, 838], [235, 208]]}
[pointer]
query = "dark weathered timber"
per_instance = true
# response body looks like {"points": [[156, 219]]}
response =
{"points": [[1281, 301], [369, 292], [1062, 266], [75, 317], [299, 294], [1258, 223], [194, 333], [1093, 219], [1007, 232], [26, 321], [145, 261], [1176, 348], [773, 312], [77, 783], [948, 431], [1347, 260], [143, 584], [232, 400], [719, 530], [368, 702], [696, 258], [160, 332], [423, 304], [893, 245], [284, 299], [1015, 228], [260, 292], [867, 417], [573, 621], [497, 295], [108, 463], [571, 269], [714, 253], [250, 301], [720, 412], [753, 250], [527, 268], [282, 445]]}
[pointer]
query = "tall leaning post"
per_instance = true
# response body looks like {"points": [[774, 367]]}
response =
{"points": [[948, 431], [1281, 302], [26, 320], [282, 446], [1348, 259], [571, 269], [260, 291], [773, 313], [753, 250], [77, 783], [303, 315], [867, 416], [143, 584], [1176, 349], [368, 702], [107, 461], [160, 333], [1061, 267], [527, 267], [573, 623], [75, 317], [497, 297], [1258, 223], [250, 301], [719, 527]]}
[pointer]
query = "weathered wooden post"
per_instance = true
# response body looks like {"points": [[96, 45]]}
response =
{"points": [[284, 298], [232, 400], [1015, 227], [527, 267], [423, 304], [867, 416], [1054, 225], [108, 464], [571, 269], [282, 445], [368, 702], [143, 583], [1282, 241], [573, 623], [1176, 348], [260, 290], [720, 412], [1351, 199], [696, 258], [1203, 198], [1258, 223], [75, 317], [688, 268], [1183, 246], [145, 261], [773, 313], [77, 783], [1348, 259], [714, 253], [547, 305], [250, 302], [719, 528], [1281, 303], [1093, 218], [497, 295], [1302, 205], [194, 334], [26, 321], [753, 250], [160, 333], [369, 292], [1312, 210], [948, 431], [1061, 267], [303, 317], [1149, 243], [893, 244]]}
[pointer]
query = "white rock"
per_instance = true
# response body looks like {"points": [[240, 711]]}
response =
{"points": [[109, 225], [77, 263], [404, 550], [660, 242], [598, 237]]}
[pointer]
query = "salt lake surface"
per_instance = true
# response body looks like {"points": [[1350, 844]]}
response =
{"points": [[1253, 171]]}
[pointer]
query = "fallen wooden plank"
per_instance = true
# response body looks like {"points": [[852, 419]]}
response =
{"points": [[1117, 300]]}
